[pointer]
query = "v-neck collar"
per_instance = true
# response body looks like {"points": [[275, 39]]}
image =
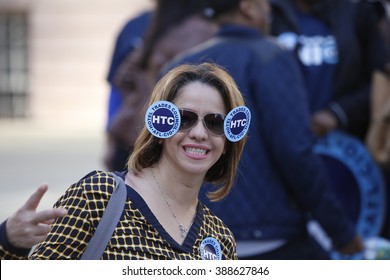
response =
{"points": [[192, 234]]}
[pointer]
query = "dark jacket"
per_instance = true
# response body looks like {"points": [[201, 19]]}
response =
{"points": [[129, 37], [280, 182], [360, 48]]}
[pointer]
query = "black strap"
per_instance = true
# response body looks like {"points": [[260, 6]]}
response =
{"points": [[108, 223]]}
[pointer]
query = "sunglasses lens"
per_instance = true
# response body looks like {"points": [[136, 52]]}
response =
{"points": [[188, 119], [214, 123]]}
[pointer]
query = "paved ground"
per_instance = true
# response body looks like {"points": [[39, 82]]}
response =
{"points": [[35, 153]]}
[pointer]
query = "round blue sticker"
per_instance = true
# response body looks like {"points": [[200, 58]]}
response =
{"points": [[356, 180], [162, 119], [236, 123], [210, 249]]}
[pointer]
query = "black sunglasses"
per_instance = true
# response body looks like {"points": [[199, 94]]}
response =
{"points": [[213, 121]]}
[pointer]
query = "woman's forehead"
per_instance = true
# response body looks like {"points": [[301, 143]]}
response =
{"points": [[200, 97]]}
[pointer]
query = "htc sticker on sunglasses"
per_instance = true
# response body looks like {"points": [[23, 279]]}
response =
{"points": [[236, 123], [162, 119]]}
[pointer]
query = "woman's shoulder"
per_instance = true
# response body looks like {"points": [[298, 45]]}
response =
{"points": [[96, 185], [95, 179]]}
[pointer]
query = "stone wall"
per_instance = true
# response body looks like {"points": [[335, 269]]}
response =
{"points": [[70, 46]]}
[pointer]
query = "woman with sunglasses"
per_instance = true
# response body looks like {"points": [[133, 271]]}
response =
{"points": [[162, 217]]}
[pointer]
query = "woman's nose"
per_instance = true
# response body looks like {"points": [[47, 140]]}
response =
{"points": [[199, 130]]}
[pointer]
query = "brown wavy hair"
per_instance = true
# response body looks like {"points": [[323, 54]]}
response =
{"points": [[147, 149]]}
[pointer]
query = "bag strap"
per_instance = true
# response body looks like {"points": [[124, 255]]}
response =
{"points": [[108, 223]]}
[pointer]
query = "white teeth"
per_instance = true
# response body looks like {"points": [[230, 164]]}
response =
{"points": [[196, 151]]}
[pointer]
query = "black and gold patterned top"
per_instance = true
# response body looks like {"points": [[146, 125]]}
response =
{"points": [[138, 234]]}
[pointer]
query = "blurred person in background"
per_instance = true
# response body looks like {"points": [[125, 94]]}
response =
{"points": [[339, 46], [128, 39], [378, 136]]}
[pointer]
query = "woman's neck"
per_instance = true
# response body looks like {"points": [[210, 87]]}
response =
{"points": [[172, 200], [180, 188]]}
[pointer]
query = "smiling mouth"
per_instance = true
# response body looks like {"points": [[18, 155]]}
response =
{"points": [[196, 151]]}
